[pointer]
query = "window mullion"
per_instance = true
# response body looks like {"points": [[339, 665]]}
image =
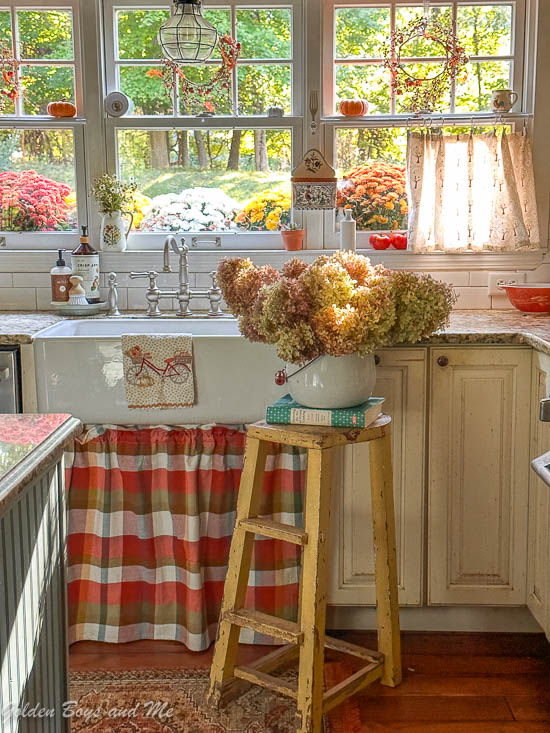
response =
{"points": [[392, 28], [453, 80], [234, 72], [19, 107]]}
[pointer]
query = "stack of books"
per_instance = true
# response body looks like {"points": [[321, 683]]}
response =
{"points": [[288, 412]]}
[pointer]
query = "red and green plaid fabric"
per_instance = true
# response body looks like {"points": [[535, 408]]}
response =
{"points": [[151, 514]]}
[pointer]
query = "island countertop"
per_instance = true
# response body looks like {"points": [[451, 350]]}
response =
{"points": [[20, 328], [506, 327], [29, 444]]}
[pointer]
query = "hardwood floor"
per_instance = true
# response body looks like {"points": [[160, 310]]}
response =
{"points": [[452, 683]]}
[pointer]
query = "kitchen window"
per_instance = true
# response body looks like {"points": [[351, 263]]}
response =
{"points": [[221, 167], [42, 186], [369, 152], [176, 148]]}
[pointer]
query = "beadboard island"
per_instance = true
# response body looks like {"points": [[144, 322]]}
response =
{"points": [[33, 640]]}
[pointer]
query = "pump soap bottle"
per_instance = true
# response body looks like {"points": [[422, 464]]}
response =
{"points": [[85, 261], [60, 275]]}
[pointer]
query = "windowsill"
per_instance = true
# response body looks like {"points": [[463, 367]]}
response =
{"points": [[40, 121], [206, 260]]}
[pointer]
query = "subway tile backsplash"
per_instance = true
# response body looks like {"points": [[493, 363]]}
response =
{"points": [[28, 288]]}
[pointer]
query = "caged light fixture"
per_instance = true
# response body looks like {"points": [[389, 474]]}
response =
{"points": [[187, 37]]}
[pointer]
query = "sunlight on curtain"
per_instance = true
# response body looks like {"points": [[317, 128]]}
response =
{"points": [[471, 192]]}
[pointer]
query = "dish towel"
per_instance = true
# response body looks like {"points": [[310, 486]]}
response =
{"points": [[158, 371]]}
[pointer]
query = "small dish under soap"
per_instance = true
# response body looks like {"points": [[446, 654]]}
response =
{"points": [[90, 309]]}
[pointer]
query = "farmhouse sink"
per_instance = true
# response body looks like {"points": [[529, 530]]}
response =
{"points": [[79, 370]]}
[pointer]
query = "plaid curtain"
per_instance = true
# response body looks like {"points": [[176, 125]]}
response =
{"points": [[151, 514]]}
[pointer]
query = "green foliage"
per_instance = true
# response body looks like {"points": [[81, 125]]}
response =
{"points": [[484, 30], [48, 152], [45, 84], [264, 34], [239, 185], [46, 34]]}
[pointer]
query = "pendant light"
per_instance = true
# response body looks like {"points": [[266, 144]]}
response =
{"points": [[187, 37]]}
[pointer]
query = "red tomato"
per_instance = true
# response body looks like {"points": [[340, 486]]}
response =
{"points": [[379, 241], [399, 241]]}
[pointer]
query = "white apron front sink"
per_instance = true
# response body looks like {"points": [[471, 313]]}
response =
{"points": [[79, 371]]}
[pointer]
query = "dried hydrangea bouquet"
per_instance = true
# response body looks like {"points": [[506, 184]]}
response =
{"points": [[331, 316]]}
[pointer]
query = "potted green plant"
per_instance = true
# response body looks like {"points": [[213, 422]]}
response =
{"points": [[293, 236], [114, 199], [329, 317]]}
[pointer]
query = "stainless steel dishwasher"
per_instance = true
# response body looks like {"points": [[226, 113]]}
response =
{"points": [[10, 380]]}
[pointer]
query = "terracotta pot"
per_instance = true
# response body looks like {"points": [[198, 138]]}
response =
{"points": [[293, 239]]}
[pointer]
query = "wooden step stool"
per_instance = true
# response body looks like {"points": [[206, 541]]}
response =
{"points": [[307, 637]]}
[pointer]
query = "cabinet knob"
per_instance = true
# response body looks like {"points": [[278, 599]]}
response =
{"points": [[442, 361], [376, 360]]}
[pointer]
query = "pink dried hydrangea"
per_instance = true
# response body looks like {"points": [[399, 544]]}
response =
{"points": [[339, 305], [293, 268], [241, 281]]}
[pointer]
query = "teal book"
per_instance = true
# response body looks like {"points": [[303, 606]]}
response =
{"points": [[288, 412]]}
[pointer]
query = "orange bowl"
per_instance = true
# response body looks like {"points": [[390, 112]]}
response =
{"points": [[529, 297]]}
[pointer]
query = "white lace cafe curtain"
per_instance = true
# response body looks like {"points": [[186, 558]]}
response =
{"points": [[472, 192]]}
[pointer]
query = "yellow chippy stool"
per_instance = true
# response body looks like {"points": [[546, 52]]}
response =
{"points": [[307, 638]]}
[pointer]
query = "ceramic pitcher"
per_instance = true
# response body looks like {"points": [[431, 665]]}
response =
{"points": [[114, 231], [503, 99]]}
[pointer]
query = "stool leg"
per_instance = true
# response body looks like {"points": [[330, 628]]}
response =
{"points": [[238, 569], [314, 592], [387, 609]]}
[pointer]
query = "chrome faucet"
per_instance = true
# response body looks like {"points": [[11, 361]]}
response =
{"points": [[184, 294]]}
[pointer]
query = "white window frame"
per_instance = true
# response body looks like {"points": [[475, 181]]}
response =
{"points": [[333, 122], [293, 122], [21, 121]]}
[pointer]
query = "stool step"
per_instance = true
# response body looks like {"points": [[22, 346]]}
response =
{"points": [[263, 623], [352, 684], [290, 689], [269, 528]]}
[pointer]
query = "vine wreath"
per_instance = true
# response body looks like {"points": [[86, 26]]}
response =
{"points": [[425, 91], [201, 92], [9, 78]]}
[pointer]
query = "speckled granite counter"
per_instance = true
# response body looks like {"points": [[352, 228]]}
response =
{"points": [[19, 328], [29, 445], [466, 327], [508, 327]]}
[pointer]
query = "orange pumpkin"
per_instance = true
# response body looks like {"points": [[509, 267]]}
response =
{"points": [[61, 109], [353, 107]]}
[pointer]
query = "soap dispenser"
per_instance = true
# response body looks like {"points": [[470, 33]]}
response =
{"points": [[60, 275], [85, 261]]}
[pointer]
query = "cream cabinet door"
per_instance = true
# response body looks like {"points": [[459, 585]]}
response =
{"points": [[401, 380], [538, 547], [478, 475]]}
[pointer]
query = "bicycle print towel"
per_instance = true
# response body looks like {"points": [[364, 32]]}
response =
{"points": [[158, 371]]}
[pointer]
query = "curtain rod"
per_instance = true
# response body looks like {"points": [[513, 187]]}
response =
{"points": [[490, 120]]}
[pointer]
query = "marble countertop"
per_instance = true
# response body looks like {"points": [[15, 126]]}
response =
{"points": [[20, 328], [509, 327], [466, 327], [29, 445]]}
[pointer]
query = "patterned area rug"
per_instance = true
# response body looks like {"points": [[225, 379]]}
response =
{"points": [[174, 701]]}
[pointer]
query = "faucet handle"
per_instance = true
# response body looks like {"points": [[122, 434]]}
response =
{"points": [[213, 277], [152, 275]]}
